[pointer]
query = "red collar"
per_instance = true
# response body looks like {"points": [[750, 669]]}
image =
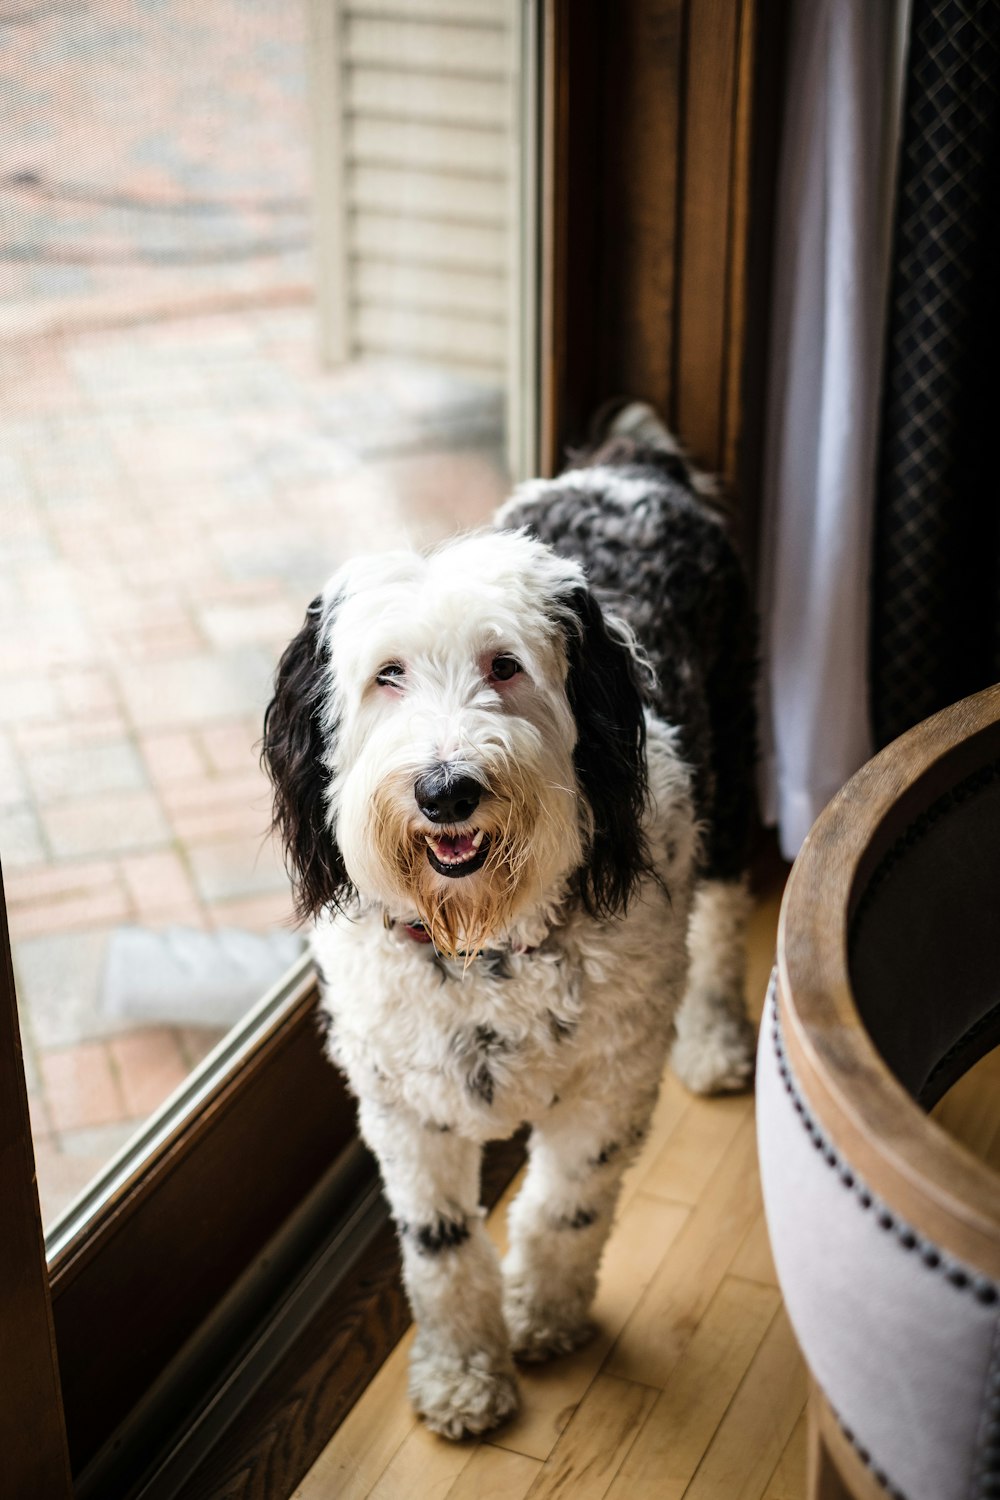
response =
{"points": [[419, 934]]}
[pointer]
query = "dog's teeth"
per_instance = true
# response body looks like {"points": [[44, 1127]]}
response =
{"points": [[477, 839]]}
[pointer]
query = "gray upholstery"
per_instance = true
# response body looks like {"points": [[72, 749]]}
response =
{"points": [[902, 1352]]}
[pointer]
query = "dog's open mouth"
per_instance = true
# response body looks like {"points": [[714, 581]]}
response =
{"points": [[456, 854]]}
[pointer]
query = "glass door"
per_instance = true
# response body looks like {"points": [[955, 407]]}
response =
{"points": [[266, 306]]}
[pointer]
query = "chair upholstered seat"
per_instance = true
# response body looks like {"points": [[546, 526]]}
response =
{"points": [[886, 1233]]}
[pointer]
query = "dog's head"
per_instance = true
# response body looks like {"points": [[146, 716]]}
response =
{"points": [[460, 736]]}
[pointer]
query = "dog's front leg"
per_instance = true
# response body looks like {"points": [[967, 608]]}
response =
{"points": [[461, 1373], [561, 1219]]}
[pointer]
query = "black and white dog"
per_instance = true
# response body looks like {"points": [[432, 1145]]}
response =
{"points": [[513, 780]]}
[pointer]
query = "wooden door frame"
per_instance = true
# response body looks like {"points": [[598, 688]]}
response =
{"points": [[34, 1457], [661, 137]]}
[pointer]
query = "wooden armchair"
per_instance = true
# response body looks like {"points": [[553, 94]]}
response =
{"points": [[885, 1231]]}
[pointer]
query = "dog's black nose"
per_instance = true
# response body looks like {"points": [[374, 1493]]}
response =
{"points": [[444, 798]]}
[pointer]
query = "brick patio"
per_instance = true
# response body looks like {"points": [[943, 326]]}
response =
{"points": [[178, 478], [175, 494]]}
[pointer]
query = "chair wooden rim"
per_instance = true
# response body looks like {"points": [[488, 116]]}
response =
{"points": [[905, 1158]]}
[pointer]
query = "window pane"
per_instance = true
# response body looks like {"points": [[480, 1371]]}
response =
{"points": [[257, 268]]}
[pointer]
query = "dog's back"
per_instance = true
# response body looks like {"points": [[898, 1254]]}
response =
{"points": [[657, 547]]}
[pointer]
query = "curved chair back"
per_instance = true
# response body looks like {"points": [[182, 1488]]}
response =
{"points": [[886, 1231]]}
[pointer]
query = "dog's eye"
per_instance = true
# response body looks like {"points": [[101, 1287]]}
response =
{"points": [[503, 668], [388, 675]]}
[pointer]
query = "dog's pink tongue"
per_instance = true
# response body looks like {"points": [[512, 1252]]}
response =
{"points": [[455, 846]]}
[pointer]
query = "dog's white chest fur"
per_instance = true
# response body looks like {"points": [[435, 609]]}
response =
{"points": [[482, 1048]]}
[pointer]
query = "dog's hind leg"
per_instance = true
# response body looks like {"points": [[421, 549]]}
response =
{"points": [[562, 1216], [713, 1050], [462, 1379]]}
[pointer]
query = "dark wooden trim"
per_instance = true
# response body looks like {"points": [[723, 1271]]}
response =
{"points": [[171, 1244], [642, 167], [663, 130], [573, 89], [189, 1233], [287, 1420], [33, 1453]]}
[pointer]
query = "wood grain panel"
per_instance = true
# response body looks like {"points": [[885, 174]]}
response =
{"points": [[33, 1451], [788, 1482], [597, 1438], [285, 1426], [753, 1259], [146, 1249], [655, 1337], [642, 198], [665, 248], [372, 1431], [493, 1474], [753, 1433], [681, 1425], [646, 1230], [423, 1466], [707, 246], [683, 1168]]}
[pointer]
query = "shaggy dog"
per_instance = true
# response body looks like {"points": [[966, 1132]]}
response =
{"points": [[513, 780]]}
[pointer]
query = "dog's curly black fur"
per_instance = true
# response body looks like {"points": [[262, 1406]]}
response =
{"points": [[662, 556], [293, 752]]}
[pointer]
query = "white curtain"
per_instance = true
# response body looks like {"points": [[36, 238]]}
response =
{"points": [[833, 236]]}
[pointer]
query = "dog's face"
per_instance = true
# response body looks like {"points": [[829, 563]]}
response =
{"points": [[455, 736]]}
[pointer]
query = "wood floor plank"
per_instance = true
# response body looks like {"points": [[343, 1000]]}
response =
{"points": [[685, 1417], [666, 1317], [603, 1427], [424, 1467], [683, 1282], [371, 1433], [550, 1394], [671, 1105], [753, 1434], [788, 1482], [683, 1166], [753, 1259], [495, 1474]]}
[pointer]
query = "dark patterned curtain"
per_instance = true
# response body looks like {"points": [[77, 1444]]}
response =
{"points": [[936, 567]]}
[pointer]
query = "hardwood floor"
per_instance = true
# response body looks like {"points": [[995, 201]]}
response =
{"points": [[694, 1387]]}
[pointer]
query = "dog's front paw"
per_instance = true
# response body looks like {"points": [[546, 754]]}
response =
{"points": [[716, 1055], [542, 1332], [543, 1342], [461, 1395]]}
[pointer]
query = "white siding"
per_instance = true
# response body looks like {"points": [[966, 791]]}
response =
{"points": [[417, 244]]}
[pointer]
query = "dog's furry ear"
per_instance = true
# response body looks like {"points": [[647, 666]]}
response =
{"points": [[604, 690], [297, 741]]}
